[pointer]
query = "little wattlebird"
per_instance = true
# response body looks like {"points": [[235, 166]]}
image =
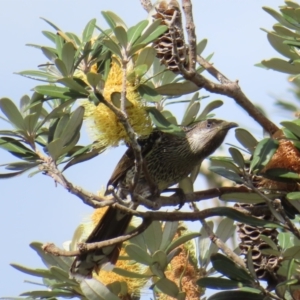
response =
{"points": [[168, 159]]}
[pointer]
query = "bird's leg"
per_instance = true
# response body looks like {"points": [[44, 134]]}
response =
{"points": [[179, 193]]}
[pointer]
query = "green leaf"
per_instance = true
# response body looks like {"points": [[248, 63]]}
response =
{"points": [[292, 253], [169, 231], [137, 254], [153, 236], [210, 107], [237, 295], [281, 175], [73, 85], [177, 89], [154, 34], [227, 267], [50, 53], [51, 24], [129, 274], [160, 259], [181, 240], [61, 67], [113, 20], [293, 127], [237, 157], [293, 196], [263, 154], [268, 241], [251, 198], [58, 92], [149, 93], [231, 175], [55, 148], [190, 114], [34, 272], [146, 57], [12, 113], [246, 139], [281, 65], [121, 36], [135, 31], [224, 162], [219, 283], [113, 47], [88, 31], [93, 79], [93, 289], [49, 294], [67, 56], [201, 46], [167, 287], [161, 122]]}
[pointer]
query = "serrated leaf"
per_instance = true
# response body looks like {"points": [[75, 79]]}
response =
{"points": [[137, 254], [227, 267], [263, 153], [219, 283], [177, 89], [12, 113], [246, 139], [167, 287], [181, 240]]}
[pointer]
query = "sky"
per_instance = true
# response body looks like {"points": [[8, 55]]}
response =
{"points": [[35, 209]]}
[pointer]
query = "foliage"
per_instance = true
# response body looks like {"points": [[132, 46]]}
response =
{"points": [[77, 72]]}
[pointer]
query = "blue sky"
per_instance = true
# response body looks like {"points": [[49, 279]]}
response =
{"points": [[34, 209]]}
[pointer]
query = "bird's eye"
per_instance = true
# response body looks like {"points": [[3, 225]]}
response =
{"points": [[208, 124]]}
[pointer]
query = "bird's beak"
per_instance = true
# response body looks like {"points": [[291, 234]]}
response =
{"points": [[229, 125]]}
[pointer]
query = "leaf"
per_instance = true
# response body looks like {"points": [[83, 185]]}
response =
{"points": [[113, 47], [55, 148], [237, 157], [281, 65], [167, 287], [219, 283], [181, 240], [252, 198], [169, 231], [227, 267], [154, 34], [58, 92], [34, 272], [137, 254], [153, 236], [161, 122], [263, 154], [281, 174], [201, 46], [12, 113], [73, 85], [293, 127], [237, 295], [268, 241], [190, 114], [246, 139], [134, 32], [61, 67], [121, 36], [177, 89], [88, 31], [231, 175], [146, 57], [93, 289], [130, 274], [292, 253], [113, 20], [204, 243], [149, 93], [210, 107], [49, 294], [93, 79]]}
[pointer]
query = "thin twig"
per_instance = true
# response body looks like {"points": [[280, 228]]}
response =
{"points": [[89, 247], [218, 242]]}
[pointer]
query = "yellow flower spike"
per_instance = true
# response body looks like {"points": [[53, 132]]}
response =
{"points": [[106, 277], [103, 123]]}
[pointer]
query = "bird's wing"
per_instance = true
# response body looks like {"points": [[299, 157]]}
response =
{"points": [[127, 160]]}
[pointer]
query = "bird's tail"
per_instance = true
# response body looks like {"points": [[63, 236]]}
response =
{"points": [[113, 224]]}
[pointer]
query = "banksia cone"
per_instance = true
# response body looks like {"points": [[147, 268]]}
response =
{"points": [[170, 15], [265, 266]]}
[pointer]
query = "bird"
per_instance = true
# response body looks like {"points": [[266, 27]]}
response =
{"points": [[169, 158]]}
